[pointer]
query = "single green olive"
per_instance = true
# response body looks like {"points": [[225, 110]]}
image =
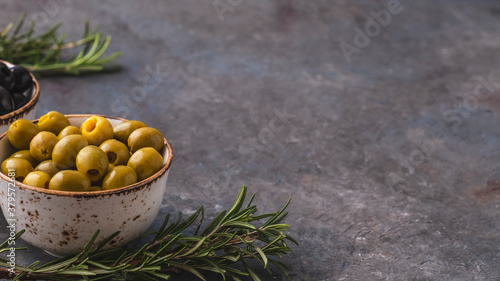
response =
{"points": [[69, 130], [17, 168], [69, 180], [95, 188], [145, 162], [42, 144], [97, 129], [49, 167], [65, 151], [117, 152], [92, 162], [145, 137], [25, 154], [120, 176], [123, 130], [21, 132], [38, 179], [53, 122]]}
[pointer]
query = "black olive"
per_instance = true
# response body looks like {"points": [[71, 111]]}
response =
{"points": [[6, 76], [28, 92], [22, 79], [6, 102], [20, 100]]}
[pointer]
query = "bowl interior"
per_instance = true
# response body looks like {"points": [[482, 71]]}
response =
{"points": [[6, 149]]}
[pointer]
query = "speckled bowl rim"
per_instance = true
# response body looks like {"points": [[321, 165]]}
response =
{"points": [[91, 194], [20, 112]]}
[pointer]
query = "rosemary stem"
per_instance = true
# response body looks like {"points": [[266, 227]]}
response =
{"points": [[231, 242], [41, 54]]}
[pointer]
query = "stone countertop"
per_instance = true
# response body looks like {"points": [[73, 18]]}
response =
{"points": [[378, 118]]}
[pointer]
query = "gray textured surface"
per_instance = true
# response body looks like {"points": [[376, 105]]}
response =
{"points": [[391, 158]]}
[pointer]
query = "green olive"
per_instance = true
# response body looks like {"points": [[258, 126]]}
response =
{"points": [[92, 162], [117, 152], [145, 162], [38, 179], [49, 167], [145, 137], [95, 188], [124, 129], [110, 167], [69, 130], [53, 122], [120, 176], [97, 129], [21, 132], [17, 168], [69, 180], [65, 151], [42, 144], [25, 154]]}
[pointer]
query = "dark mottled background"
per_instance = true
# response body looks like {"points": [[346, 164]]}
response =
{"points": [[388, 143]]}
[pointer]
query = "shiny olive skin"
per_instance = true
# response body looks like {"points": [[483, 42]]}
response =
{"points": [[53, 122], [123, 130], [22, 79], [65, 151], [97, 129], [69, 130], [42, 144], [7, 103], [21, 132], [19, 166], [95, 188], [110, 167], [19, 100], [69, 180], [25, 154], [92, 162], [145, 162], [6, 76], [120, 176], [145, 137], [38, 179], [117, 152], [49, 167]]}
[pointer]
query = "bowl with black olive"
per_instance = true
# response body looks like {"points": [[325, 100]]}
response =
{"points": [[81, 173], [19, 94]]}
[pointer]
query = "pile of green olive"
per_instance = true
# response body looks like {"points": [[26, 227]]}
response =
{"points": [[96, 156]]}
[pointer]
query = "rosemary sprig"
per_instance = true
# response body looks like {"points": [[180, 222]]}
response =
{"points": [[231, 237], [49, 54]]}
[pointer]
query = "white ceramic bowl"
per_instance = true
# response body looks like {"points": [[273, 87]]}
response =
{"points": [[60, 222], [27, 111]]}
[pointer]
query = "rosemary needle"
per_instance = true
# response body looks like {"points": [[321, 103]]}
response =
{"points": [[50, 54], [231, 237]]}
